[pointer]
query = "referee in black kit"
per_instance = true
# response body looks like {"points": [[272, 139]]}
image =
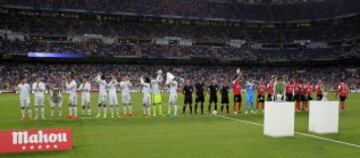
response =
{"points": [[225, 97], [213, 89], [200, 97], [187, 91]]}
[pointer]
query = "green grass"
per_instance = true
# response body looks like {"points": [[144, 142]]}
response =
{"points": [[185, 135]]}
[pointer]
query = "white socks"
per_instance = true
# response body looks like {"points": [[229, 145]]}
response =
{"points": [[75, 110], [29, 112], [70, 111], [105, 110], [175, 109], [112, 110], [169, 109], [22, 113]]}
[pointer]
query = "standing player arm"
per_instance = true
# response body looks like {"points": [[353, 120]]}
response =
{"points": [[71, 85], [33, 88], [42, 87], [109, 84], [88, 87], [81, 87], [142, 81]]}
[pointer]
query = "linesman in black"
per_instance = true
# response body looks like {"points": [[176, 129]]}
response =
{"points": [[187, 91], [213, 99], [199, 89], [225, 97]]}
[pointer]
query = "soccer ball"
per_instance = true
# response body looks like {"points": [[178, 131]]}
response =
{"points": [[214, 112], [159, 72]]}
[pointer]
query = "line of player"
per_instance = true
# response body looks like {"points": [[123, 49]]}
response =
{"points": [[278, 89]]}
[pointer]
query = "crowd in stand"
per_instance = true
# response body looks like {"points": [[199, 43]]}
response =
{"points": [[54, 74], [68, 28], [124, 29], [97, 48], [203, 8]]}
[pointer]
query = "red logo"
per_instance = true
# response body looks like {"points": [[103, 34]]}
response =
{"points": [[35, 140]]}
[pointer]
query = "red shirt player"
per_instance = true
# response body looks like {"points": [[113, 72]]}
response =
{"points": [[237, 94], [319, 91], [297, 92], [289, 90], [261, 90], [343, 91], [308, 90], [270, 90], [303, 96]]}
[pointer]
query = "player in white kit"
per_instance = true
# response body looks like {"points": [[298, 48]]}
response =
{"points": [[71, 87], [85, 88], [102, 100], [38, 89], [173, 85], [56, 102], [125, 85], [146, 89], [23, 88], [113, 99]]}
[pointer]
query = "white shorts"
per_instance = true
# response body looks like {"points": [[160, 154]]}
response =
{"points": [[173, 99], [113, 100], [24, 102], [73, 100], [39, 101], [126, 99], [147, 100], [85, 100], [102, 99]]}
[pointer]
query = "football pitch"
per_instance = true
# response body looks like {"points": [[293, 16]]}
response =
{"points": [[188, 135]]}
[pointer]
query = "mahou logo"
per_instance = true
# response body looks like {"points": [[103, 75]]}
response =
{"points": [[35, 140]]}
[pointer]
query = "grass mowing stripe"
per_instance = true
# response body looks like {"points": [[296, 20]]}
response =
{"points": [[327, 139], [299, 133]]}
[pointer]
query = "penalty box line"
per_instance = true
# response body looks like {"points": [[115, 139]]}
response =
{"points": [[299, 133]]}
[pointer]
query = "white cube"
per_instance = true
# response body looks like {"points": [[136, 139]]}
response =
{"points": [[279, 119], [324, 117]]}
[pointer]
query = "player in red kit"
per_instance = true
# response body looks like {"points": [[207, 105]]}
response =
{"points": [[302, 96], [289, 90], [270, 89], [308, 88], [261, 89], [237, 93], [297, 97], [319, 90], [343, 91]]}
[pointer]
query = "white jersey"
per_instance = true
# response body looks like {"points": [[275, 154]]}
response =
{"points": [[24, 93], [24, 90], [173, 92], [85, 89], [146, 89], [125, 87], [102, 86], [38, 89], [112, 85], [155, 84], [71, 87], [173, 87]]}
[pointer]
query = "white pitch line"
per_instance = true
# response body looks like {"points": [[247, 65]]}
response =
{"points": [[299, 133]]}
